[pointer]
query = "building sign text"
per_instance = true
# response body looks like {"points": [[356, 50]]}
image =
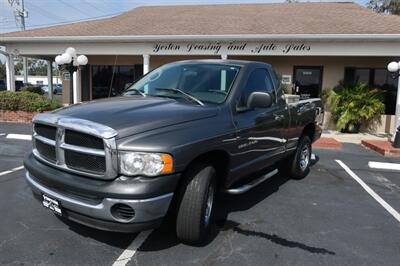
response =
{"points": [[231, 48]]}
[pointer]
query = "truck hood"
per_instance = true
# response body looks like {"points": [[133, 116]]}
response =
{"points": [[130, 115]]}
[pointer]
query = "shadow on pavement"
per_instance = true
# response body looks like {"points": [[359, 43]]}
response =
{"points": [[120, 240], [164, 237], [236, 227]]}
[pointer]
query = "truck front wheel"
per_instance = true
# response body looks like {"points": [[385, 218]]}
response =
{"points": [[300, 163], [195, 204]]}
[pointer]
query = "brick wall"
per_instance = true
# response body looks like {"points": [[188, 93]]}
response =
{"points": [[16, 116]]}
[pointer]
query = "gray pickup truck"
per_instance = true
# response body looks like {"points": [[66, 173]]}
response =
{"points": [[174, 139]]}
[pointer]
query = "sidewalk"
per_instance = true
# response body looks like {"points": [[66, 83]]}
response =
{"points": [[379, 143], [353, 138]]}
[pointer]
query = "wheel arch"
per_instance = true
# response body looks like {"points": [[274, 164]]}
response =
{"points": [[309, 131], [219, 159]]}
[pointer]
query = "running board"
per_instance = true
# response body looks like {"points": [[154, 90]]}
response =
{"points": [[252, 184]]}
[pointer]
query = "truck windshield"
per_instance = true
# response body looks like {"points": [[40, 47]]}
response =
{"points": [[197, 83]]}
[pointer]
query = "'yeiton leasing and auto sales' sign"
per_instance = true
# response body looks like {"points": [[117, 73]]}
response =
{"points": [[208, 48], [231, 48]]}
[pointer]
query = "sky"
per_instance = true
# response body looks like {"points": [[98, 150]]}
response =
{"points": [[43, 13]]}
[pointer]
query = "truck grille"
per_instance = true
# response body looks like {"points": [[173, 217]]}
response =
{"points": [[46, 131], [85, 162], [84, 140], [75, 145], [46, 150]]}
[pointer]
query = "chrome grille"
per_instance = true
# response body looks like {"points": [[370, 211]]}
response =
{"points": [[75, 145]]}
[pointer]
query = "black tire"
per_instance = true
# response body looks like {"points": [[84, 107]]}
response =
{"points": [[299, 166], [192, 222]]}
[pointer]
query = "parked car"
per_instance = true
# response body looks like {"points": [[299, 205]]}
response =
{"points": [[3, 85], [57, 89], [45, 89], [181, 134], [19, 84]]}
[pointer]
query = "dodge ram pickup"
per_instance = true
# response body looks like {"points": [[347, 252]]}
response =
{"points": [[173, 140]]}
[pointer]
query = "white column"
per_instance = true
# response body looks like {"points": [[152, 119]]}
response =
{"points": [[397, 121], [224, 56], [50, 78], [77, 86], [146, 64], [25, 68], [10, 71]]}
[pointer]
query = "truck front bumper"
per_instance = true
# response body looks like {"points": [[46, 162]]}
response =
{"points": [[94, 209]]}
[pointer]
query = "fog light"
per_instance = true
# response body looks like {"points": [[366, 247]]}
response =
{"points": [[122, 212]]}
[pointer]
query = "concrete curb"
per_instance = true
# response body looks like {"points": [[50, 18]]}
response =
{"points": [[383, 147]]}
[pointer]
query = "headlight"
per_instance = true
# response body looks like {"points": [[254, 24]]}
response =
{"points": [[141, 163]]}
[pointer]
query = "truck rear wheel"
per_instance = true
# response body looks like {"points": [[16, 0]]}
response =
{"points": [[300, 163], [195, 206]]}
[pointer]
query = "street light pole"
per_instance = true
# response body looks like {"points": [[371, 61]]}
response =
{"points": [[22, 14], [71, 62], [394, 68]]}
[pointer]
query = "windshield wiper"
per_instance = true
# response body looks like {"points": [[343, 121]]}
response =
{"points": [[187, 95], [136, 90]]}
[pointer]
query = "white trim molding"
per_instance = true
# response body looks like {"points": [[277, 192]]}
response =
{"points": [[216, 48], [227, 37]]}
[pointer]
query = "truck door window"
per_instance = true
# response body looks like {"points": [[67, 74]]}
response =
{"points": [[260, 81]]}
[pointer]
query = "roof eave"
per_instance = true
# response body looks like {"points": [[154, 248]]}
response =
{"points": [[230, 37]]}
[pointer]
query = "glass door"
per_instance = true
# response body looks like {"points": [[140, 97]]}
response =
{"points": [[307, 81]]}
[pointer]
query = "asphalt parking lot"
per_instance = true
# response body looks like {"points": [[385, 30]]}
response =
{"points": [[328, 218]]}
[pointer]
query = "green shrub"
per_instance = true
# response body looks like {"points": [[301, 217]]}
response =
{"points": [[354, 105], [36, 90], [26, 101]]}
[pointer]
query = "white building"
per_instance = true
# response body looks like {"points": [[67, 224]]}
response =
{"points": [[39, 80]]}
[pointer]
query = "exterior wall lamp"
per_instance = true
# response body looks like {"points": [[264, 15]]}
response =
{"points": [[70, 61], [394, 68]]}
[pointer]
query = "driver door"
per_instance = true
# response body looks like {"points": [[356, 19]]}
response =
{"points": [[260, 132]]}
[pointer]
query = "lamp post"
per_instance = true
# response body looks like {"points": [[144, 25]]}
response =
{"points": [[71, 62], [394, 68]]}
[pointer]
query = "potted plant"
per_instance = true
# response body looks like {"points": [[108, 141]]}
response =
{"points": [[354, 105]]}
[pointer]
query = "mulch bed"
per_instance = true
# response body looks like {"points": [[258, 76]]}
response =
{"points": [[16, 116]]}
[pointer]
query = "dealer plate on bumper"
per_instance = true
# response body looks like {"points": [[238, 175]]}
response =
{"points": [[52, 204]]}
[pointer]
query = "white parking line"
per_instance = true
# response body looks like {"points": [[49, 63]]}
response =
{"points": [[12, 170], [130, 251], [386, 166], [373, 194], [2, 134], [19, 136]]}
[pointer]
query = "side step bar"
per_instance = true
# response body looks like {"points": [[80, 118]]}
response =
{"points": [[252, 184]]}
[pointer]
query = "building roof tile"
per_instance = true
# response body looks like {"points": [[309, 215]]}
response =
{"points": [[231, 19]]}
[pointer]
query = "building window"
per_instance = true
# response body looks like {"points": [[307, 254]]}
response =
{"points": [[375, 78], [307, 81], [109, 81]]}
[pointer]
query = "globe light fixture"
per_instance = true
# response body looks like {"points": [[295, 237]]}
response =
{"points": [[394, 68], [82, 60], [71, 62]]}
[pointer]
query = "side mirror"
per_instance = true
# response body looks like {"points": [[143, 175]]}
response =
{"points": [[259, 100]]}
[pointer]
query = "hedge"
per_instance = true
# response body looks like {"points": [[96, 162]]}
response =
{"points": [[26, 101], [36, 90]]}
